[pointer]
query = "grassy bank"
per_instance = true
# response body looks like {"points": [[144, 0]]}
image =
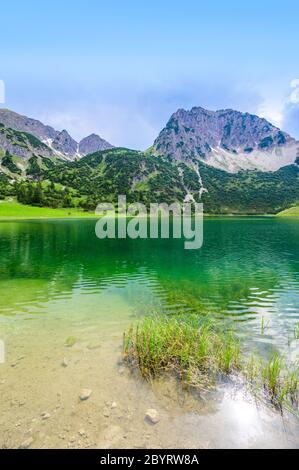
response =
{"points": [[15, 210], [292, 212], [201, 354], [11, 209]]}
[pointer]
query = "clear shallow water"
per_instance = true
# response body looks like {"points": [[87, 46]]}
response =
{"points": [[248, 269], [58, 280]]}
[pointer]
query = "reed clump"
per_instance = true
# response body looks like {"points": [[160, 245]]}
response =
{"points": [[280, 381], [200, 353], [195, 350]]}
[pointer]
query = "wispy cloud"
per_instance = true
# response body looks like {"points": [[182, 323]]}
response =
{"points": [[283, 110], [294, 96], [120, 125], [273, 114], [291, 110], [134, 115]]}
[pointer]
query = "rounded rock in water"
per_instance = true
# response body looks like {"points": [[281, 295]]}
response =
{"points": [[85, 394], [152, 416]]}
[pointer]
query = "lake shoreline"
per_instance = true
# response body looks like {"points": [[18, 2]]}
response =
{"points": [[13, 210], [95, 216]]}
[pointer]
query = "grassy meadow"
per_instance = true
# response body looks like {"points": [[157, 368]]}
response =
{"points": [[15, 210], [292, 212]]}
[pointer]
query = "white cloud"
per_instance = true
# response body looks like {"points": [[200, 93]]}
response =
{"points": [[117, 124], [283, 112], [294, 96], [273, 114], [291, 110]]}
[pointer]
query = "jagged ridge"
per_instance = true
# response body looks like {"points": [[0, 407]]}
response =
{"points": [[61, 143], [226, 139]]}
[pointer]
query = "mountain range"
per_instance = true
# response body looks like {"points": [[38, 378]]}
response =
{"points": [[55, 143], [234, 162]]}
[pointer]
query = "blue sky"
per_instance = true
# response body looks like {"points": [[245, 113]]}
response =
{"points": [[121, 68]]}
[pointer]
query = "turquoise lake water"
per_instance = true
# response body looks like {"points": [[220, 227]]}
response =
{"points": [[58, 280], [247, 270]]}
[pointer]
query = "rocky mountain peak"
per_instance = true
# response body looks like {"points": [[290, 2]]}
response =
{"points": [[227, 139], [93, 143], [60, 143], [65, 144], [24, 124]]}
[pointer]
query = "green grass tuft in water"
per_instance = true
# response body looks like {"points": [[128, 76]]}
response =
{"points": [[194, 350], [200, 353]]}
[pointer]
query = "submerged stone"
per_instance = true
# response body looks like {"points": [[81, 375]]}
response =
{"points": [[27, 443], [85, 394], [152, 416]]}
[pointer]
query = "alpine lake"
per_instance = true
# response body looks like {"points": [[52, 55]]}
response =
{"points": [[67, 297]]}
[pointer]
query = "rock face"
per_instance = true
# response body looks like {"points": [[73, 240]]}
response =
{"points": [[226, 139], [59, 143], [22, 144], [25, 124], [93, 143], [65, 144]]}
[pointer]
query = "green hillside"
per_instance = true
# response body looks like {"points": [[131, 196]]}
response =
{"points": [[292, 212], [145, 178]]}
